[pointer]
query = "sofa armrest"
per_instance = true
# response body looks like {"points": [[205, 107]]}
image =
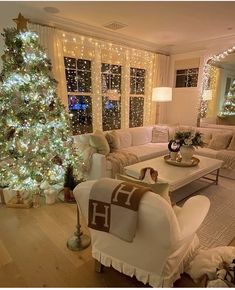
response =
{"points": [[192, 214], [98, 167]]}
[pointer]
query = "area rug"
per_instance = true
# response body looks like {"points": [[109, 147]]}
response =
{"points": [[218, 228]]}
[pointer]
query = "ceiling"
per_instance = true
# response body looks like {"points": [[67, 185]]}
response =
{"points": [[168, 27]]}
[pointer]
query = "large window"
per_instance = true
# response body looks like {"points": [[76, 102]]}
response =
{"points": [[137, 90], [111, 92], [186, 78], [78, 78]]}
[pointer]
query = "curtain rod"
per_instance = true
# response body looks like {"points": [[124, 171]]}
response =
{"points": [[88, 35]]}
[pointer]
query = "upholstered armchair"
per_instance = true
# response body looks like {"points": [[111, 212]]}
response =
{"points": [[164, 242]]}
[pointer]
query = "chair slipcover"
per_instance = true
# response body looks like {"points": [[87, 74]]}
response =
{"points": [[164, 243]]}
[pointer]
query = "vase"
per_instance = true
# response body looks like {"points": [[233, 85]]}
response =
{"points": [[187, 153]]}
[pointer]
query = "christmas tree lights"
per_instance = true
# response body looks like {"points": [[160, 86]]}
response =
{"points": [[36, 145]]}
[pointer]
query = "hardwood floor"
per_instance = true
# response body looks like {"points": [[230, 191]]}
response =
{"points": [[33, 251]]}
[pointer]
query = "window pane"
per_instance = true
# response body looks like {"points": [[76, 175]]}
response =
{"points": [[105, 68], [132, 86], [116, 69], [83, 64], [111, 114], [70, 62], [105, 83], [116, 82], [191, 81], [84, 81], [140, 72], [71, 78], [187, 77], [180, 81], [81, 109], [140, 86], [136, 112]]}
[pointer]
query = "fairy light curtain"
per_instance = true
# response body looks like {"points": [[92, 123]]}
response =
{"points": [[112, 71]]}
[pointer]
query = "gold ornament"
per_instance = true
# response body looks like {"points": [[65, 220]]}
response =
{"points": [[21, 22]]}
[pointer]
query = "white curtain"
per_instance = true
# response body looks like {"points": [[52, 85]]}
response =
{"points": [[59, 44], [161, 79], [50, 40]]}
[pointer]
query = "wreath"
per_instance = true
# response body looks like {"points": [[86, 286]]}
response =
{"points": [[174, 146]]}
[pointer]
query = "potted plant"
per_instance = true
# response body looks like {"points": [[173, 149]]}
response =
{"points": [[69, 184], [188, 141]]}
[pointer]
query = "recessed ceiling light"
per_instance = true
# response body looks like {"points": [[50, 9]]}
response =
{"points": [[52, 10]]}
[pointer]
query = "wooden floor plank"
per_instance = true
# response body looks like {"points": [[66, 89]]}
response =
{"points": [[5, 257]]}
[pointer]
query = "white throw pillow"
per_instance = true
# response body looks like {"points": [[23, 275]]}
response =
{"points": [[160, 134], [99, 142], [140, 136], [125, 138], [220, 141]]}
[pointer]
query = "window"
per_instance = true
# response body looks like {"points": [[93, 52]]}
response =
{"points": [[137, 89], [78, 78], [111, 90], [186, 78]]}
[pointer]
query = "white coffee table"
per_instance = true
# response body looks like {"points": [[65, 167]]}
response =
{"points": [[176, 176]]}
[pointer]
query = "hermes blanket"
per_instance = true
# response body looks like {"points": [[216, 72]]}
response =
{"points": [[113, 207]]}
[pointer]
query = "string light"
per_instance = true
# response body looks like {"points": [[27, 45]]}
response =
{"points": [[210, 74], [107, 114]]}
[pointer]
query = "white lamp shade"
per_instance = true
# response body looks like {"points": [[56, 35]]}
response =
{"points": [[207, 95], [162, 94]]}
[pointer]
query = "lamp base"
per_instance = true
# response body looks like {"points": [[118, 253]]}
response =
{"points": [[78, 243]]}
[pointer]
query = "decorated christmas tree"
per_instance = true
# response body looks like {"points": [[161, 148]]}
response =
{"points": [[35, 140], [228, 108]]}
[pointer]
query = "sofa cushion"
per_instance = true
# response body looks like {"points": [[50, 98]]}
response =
{"points": [[206, 135], [148, 151], [113, 140], [232, 144], [141, 135], [125, 138], [220, 141], [207, 152], [160, 134], [98, 141]]}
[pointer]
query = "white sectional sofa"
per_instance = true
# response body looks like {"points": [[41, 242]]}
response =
{"points": [[139, 141]]}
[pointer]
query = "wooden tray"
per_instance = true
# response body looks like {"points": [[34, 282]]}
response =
{"points": [[194, 162]]}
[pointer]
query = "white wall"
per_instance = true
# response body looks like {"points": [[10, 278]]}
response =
{"points": [[185, 101]]}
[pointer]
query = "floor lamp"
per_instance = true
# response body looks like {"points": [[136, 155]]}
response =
{"points": [[162, 94], [78, 241]]}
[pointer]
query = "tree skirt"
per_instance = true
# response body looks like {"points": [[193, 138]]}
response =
{"points": [[218, 228]]}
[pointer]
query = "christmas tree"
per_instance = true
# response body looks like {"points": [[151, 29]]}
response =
{"points": [[35, 140], [228, 108]]}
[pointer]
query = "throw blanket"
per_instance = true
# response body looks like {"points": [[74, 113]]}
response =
{"points": [[113, 207], [120, 159], [228, 157]]}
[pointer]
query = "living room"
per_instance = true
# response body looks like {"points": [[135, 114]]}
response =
{"points": [[117, 118]]}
